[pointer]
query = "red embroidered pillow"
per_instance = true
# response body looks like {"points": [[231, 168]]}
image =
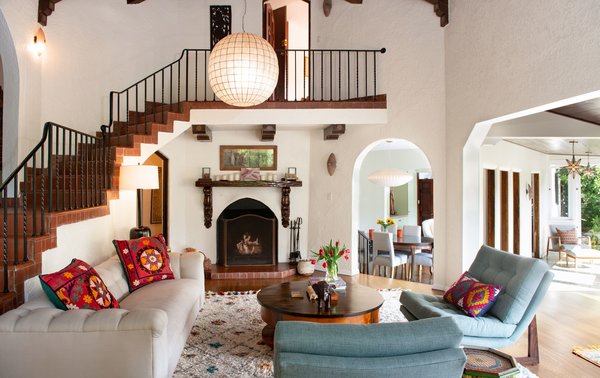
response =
{"points": [[144, 260], [473, 297], [78, 285], [567, 236]]}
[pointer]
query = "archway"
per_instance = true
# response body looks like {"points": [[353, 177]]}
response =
{"points": [[9, 68], [371, 202], [472, 210]]}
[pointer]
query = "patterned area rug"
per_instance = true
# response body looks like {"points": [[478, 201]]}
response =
{"points": [[226, 338]]}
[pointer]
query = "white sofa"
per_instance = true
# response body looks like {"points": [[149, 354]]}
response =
{"points": [[143, 338]]}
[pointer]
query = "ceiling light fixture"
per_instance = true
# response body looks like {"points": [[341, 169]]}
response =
{"points": [[573, 165], [243, 69], [390, 177], [589, 171]]}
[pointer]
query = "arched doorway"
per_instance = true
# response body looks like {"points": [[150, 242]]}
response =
{"points": [[156, 201], [372, 202]]}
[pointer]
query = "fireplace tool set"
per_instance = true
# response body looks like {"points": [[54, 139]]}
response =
{"points": [[295, 254]]}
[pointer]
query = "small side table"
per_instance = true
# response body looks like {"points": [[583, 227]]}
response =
{"points": [[488, 362]]}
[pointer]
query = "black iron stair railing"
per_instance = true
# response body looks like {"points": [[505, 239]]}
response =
{"points": [[64, 171]]}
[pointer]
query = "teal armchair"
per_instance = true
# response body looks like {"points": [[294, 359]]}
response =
{"points": [[421, 349], [525, 281]]}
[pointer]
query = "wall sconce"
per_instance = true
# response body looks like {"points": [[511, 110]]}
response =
{"points": [[39, 42]]}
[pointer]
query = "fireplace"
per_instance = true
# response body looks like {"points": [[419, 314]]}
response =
{"points": [[247, 234]]}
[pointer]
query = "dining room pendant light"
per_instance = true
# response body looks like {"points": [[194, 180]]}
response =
{"points": [[243, 69], [390, 177], [573, 165], [589, 171]]}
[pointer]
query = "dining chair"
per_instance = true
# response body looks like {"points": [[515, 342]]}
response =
{"points": [[383, 250], [411, 231], [427, 226]]}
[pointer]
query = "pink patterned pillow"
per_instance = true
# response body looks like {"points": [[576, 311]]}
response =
{"points": [[76, 286], [471, 296], [144, 260], [567, 236]]}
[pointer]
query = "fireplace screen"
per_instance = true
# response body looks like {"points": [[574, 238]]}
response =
{"points": [[249, 240]]}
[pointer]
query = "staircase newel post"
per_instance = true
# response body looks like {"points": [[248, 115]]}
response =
{"points": [[49, 169]]}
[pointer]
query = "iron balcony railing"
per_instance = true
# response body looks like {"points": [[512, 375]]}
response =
{"points": [[64, 171], [305, 75]]}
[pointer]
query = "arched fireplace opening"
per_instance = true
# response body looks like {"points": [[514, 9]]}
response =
{"points": [[247, 234]]}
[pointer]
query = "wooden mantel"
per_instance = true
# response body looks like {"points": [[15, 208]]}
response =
{"points": [[207, 185]]}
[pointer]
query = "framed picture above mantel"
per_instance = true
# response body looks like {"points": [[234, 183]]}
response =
{"points": [[233, 158]]}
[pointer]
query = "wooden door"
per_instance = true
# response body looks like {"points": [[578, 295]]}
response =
{"points": [[1, 127], [424, 200], [490, 206], [504, 210], [516, 214], [535, 218], [281, 42], [269, 24]]}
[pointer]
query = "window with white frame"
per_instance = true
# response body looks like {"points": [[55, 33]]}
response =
{"points": [[560, 193]]}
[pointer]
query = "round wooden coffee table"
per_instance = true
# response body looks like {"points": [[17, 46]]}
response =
{"points": [[356, 305]]}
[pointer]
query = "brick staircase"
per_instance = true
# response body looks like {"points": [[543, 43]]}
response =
{"points": [[77, 194]]}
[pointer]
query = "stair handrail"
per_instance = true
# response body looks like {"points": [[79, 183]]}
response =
{"points": [[51, 149]]}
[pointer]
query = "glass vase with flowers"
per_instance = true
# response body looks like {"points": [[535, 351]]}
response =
{"points": [[330, 254]]}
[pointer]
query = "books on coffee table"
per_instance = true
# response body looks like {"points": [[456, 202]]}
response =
{"points": [[340, 284]]}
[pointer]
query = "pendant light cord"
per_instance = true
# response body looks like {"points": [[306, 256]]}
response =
{"points": [[244, 17]]}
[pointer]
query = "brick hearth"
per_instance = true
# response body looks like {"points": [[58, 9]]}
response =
{"points": [[282, 270]]}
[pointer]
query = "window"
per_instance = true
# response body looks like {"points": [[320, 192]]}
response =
{"points": [[560, 206]]}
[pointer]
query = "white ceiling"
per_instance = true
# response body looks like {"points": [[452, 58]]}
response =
{"points": [[549, 133]]}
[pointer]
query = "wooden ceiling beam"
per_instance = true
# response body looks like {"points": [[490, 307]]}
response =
{"points": [[45, 9], [440, 7], [202, 133], [333, 132], [267, 132]]}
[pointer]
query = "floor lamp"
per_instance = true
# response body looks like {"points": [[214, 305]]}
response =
{"points": [[139, 177]]}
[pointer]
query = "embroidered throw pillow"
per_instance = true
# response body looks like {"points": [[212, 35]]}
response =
{"points": [[567, 236], [473, 297], [144, 260], [76, 286]]}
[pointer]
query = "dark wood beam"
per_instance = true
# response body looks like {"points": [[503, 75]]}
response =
{"points": [[440, 7], [45, 9], [267, 133], [202, 133], [333, 132]]}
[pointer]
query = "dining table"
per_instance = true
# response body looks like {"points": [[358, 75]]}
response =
{"points": [[409, 245]]}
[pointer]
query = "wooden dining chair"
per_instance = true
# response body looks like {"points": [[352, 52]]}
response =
{"points": [[383, 250]]}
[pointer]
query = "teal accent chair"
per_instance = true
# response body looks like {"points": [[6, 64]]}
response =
{"points": [[427, 348], [525, 282]]}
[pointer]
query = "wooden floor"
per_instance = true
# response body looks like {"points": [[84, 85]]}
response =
{"points": [[567, 317]]}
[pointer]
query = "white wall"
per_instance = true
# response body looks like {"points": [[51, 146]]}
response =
{"points": [[502, 58], [91, 240], [506, 156], [411, 73], [493, 59], [187, 156], [374, 199]]}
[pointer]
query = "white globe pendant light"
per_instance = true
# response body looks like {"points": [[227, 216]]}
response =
{"points": [[390, 177], [243, 69]]}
